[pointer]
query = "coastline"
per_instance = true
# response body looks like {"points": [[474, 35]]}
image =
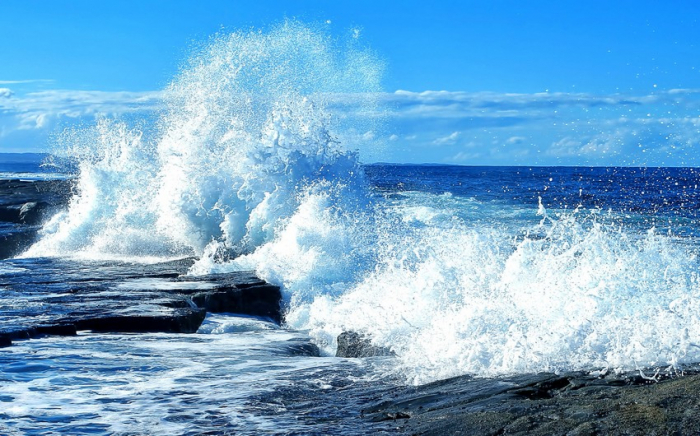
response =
{"points": [[539, 404], [575, 403]]}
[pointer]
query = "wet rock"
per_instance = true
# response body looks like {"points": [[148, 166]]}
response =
{"points": [[15, 241], [24, 205], [547, 404], [296, 347], [109, 297], [5, 341], [68, 297], [352, 344], [259, 300], [57, 330], [19, 333], [183, 321]]}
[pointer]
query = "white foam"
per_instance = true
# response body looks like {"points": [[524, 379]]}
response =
{"points": [[246, 162], [9, 269], [160, 284], [247, 131]]}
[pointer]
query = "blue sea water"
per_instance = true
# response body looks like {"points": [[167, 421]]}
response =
{"points": [[29, 166], [482, 271], [507, 271]]}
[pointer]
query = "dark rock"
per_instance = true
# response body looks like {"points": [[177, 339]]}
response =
{"points": [[546, 404], [19, 333], [258, 300], [29, 213], [296, 347], [352, 344], [184, 321], [69, 296], [33, 212], [9, 214], [23, 206], [5, 341], [14, 242], [57, 330]]}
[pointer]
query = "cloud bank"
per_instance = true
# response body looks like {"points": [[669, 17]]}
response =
{"points": [[27, 120], [472, 128]]}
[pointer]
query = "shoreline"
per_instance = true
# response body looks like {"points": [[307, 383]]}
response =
{"points": [[574, 403]]}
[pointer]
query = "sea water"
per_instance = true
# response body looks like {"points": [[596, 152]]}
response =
{"points": [[458, 270]]}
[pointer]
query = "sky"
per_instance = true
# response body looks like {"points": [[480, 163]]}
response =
{"points": [[502, 82]]}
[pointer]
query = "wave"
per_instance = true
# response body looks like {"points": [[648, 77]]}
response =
{"points": [[249, 168], [246, 132]]}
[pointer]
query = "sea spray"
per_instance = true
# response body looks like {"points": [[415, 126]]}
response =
{"points": [[248, 167], [246, 131]]}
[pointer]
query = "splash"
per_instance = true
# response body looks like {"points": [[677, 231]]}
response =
{"points": [[245, 133], [451, 296], [248, 167]]}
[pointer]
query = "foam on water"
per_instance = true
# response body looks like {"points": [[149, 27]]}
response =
{"points": [[246, 170], [163, 384]]}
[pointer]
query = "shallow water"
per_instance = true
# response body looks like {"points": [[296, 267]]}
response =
{"points": [[175, 384]]}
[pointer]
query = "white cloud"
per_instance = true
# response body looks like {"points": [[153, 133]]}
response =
{"points": [[479, 128], [39, 113], [515, 140], [21, 82], [639, 141], [447, 140], [464, 158]]}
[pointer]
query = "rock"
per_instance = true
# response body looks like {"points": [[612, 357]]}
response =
{"points": [[69, 296], [20, 333], [109, 297], [183, 321], [33, 212], [14, 242], [23, 206], [296, 347], [546, 404], [57, 330], [352, 344], [258, 300], [5, 341]]}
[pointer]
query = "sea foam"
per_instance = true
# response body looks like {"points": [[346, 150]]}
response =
{"points": [[251, 166]]}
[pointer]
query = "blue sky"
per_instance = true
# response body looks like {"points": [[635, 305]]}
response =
{"points": [[494, 83]]}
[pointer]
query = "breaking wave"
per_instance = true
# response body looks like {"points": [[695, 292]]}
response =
{"points": [[251, 166]]}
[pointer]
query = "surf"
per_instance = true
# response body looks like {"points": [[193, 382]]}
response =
{"points": [[251, 165]]}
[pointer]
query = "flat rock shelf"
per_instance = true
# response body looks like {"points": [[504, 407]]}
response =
{"points": [[574, 403], [56, 297], [61, 297]]}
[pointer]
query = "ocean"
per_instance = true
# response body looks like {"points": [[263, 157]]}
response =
{"points": [[484, 271], [453, 270]]}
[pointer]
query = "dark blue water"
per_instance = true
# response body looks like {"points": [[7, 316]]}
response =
{"points": [[28, 166], [666, 191], [665, 198]]}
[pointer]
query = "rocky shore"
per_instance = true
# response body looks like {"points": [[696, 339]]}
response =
{"points": [[578, 403], [62, 298], [54, 297], [653, 401], [124, 298]]}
